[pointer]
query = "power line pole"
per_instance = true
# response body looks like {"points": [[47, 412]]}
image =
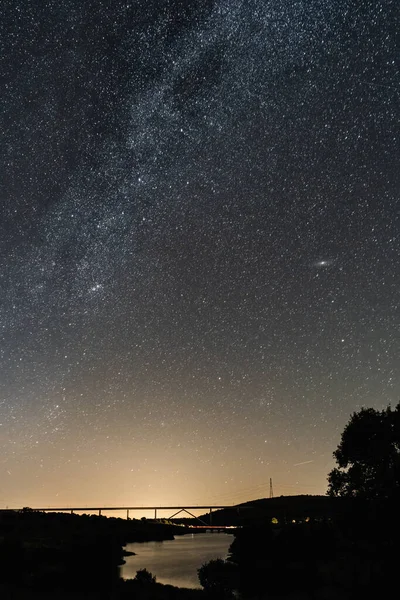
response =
{"points": [[271, 491]]}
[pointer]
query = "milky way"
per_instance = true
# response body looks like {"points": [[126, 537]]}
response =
{"points": [[199, 244]]}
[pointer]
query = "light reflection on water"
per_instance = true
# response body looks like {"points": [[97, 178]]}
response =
{"points": [[176, 561]]}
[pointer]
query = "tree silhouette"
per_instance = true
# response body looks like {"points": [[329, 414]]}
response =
{"points": [[368, 456], [145, 577], [218, 578]]}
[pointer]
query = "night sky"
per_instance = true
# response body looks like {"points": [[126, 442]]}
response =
{"points": [[199, 244]]}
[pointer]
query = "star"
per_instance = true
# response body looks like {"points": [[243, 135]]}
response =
{"points": [[198, 213]]}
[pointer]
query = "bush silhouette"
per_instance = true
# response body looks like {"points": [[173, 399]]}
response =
{"points": [[144, 576], [218, 578]]}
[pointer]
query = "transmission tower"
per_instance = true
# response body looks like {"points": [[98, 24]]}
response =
{"points": [[271, 491]]}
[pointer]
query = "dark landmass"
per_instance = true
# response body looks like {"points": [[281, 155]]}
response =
{"points": [[294, 548], [123, 590], [284, 509], [131, 590], [61, 555], [349, 556], [29, 524]]}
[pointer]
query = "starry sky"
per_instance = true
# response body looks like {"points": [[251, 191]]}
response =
{"points": [[199, 244]]}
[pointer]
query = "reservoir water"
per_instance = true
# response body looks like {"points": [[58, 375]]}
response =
{"points": [[175, 562]]}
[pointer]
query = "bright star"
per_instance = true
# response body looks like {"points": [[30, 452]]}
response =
{"points": [[96, 287]]}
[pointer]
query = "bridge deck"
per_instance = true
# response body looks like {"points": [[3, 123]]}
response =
{"points": [[123, 508]]}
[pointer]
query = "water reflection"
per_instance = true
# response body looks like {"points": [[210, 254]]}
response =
{"points": [[176, 561]]}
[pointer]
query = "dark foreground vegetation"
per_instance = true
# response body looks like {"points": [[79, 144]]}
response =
{"points": [[341, 547], [346, 549], [58, 555], [353, 557]]}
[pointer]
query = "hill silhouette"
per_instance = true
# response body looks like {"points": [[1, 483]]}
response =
{"points": [[283, 508]]}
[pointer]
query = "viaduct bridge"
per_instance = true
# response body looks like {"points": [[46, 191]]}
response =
{"points": [[100, 509]]}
